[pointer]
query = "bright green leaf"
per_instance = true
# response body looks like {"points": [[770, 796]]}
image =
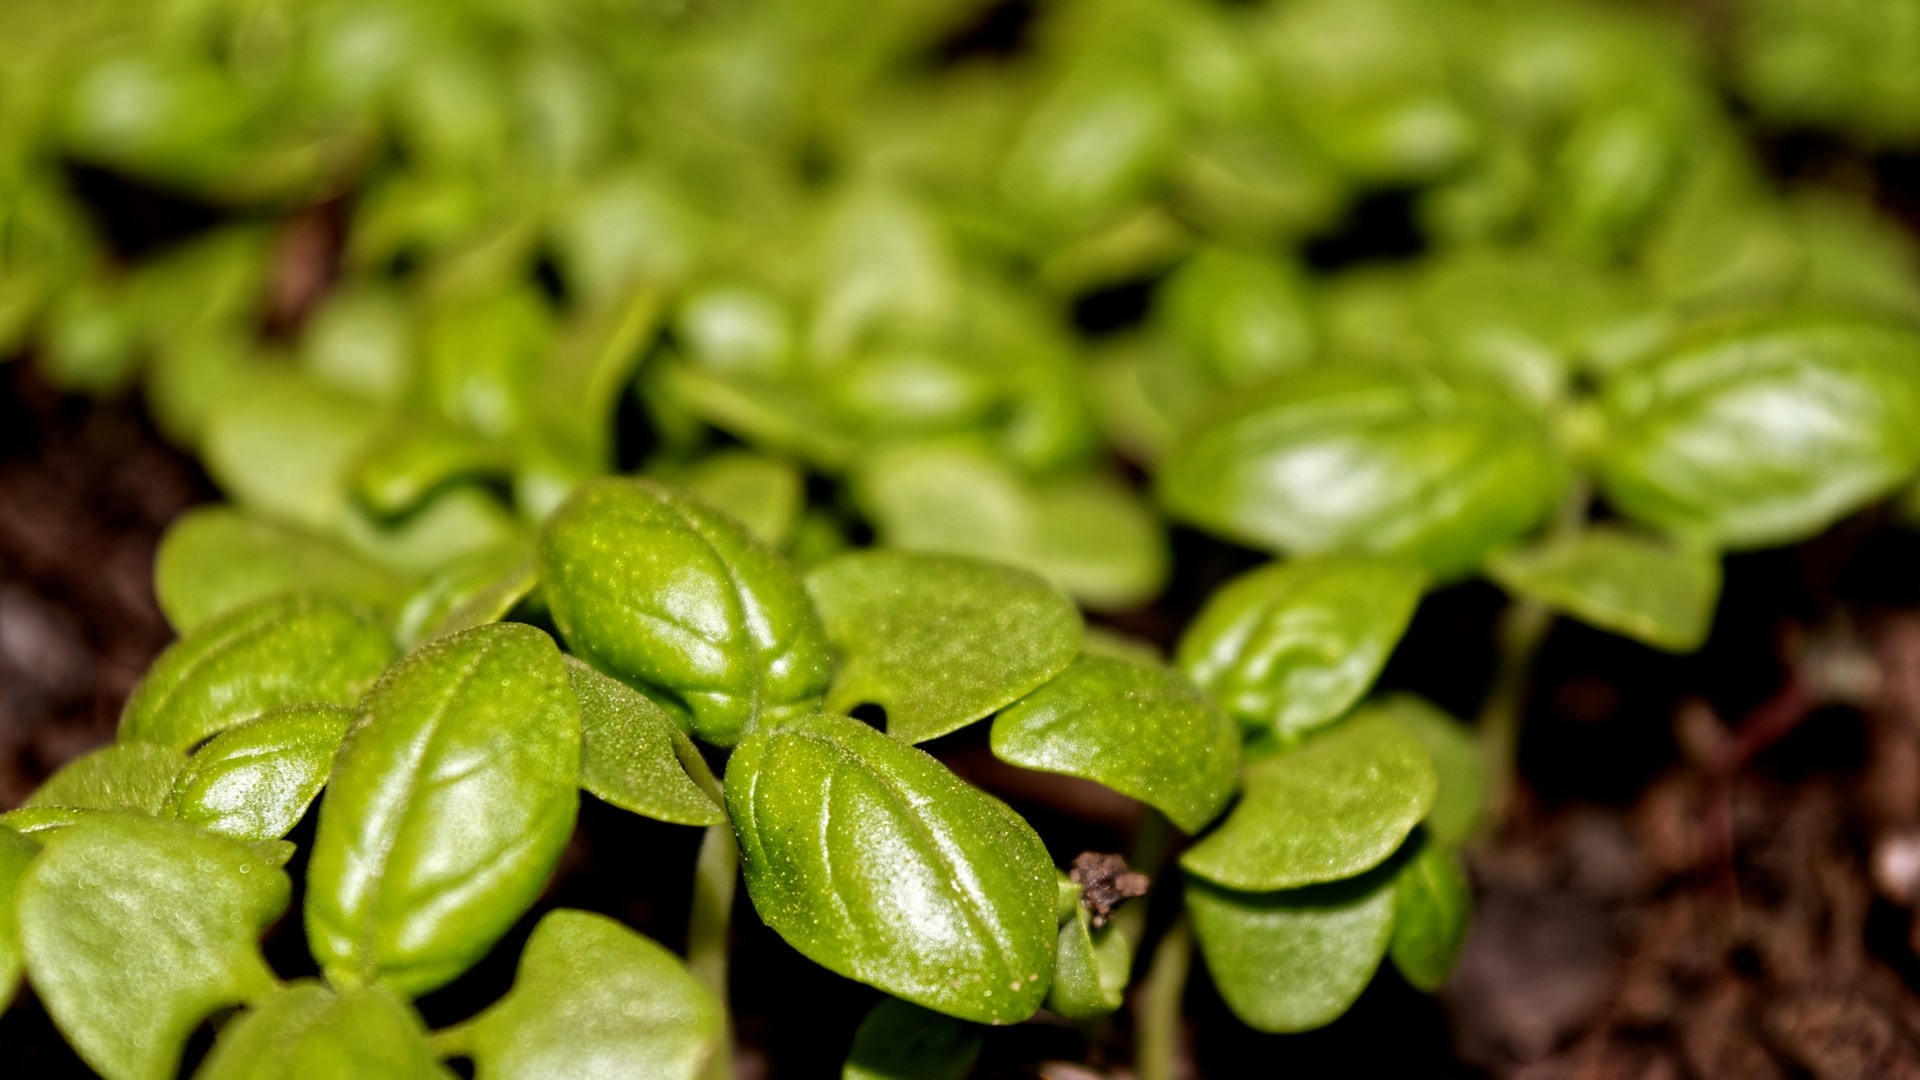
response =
{"points": [[16, 852], [255, 780], [216, 559], [282, 444], [634, 756], [288, 651], [1291, 646], [763, 493], [939, 641], [1649, 590], [137, 777], [1090, 968], [449, 804], [309, 1031], [875, 862], [471, 590], [1335, 806], [1142, 731], [136, 929], [1432, 904], [902, 1041], [1460, 797]]}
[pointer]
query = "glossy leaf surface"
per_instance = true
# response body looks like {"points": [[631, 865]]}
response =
{"points": [[215, 560], [289, 651], [877, 863], [1764, 433], [1363, 459], [309, 1031], [595, 1001], [1293, 960], [656, 588], [450, 801], [1432, 905], [1335, 806], [469, 591], [128, 776], [939, 641], [1142, 731], [1090, 968], [902, 1041], [1652, 591], [634, 756], [254, 781], [136, 929], [1291, 646]]}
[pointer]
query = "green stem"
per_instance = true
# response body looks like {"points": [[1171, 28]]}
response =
{"points": [[715, 874], [1523, 627], [453, 1042], [1157, 1008]]}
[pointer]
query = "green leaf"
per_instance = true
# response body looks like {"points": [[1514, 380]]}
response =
{"points": [[634, 756], [1291, 646], [1294, 960], [255, 781], [595, 1001], [471, 590], [875, 862], [32, 820], [449, 804], [214, 560], [1335, 806], [282, 444], [939, 641], [1460, 797], [1246, 317], [1432, 905], [136, 929], [658, 589], [309, 1031], [16, 853], [1356, 458], [287, 651], [1653, 591], [137, 777], [902, 1041], [1143, 731], [1764, 433], [763, 493], [397, 471], [1090, 968]]}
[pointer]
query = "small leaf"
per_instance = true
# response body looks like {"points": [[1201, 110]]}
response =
{"points": [[1766, 432], [1090, 968], [129, 776], [656, 588], [399, 470], [282, 443], [471, 590], [31, 821], [939, 641], [1460, 797], [288, 651], [634, 756], [450, 801], [595, 1001], [255, 781], [1335, 806], [216, 559], [877, 863], [902, 1041], [1432, 904], [136, 929], [1142, 731], [1292, 645], [1659, 593], [308, 1031], [1294, 960], [16, 852], [763, 493]]}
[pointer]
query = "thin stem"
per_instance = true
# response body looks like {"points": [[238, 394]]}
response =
{"points": [[715, 874], [1157, 1031], [1522, 629]]}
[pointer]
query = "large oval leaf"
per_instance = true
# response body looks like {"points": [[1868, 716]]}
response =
{"points": [[595, 1001], [1142, 731], [1293, 960], [127, 776], [1291, 646], [1649, 590], [136, 929], [658, 589], [216, 559], [1764, 433], [1336, 806], [874, 861], [308, 1031], [287, 651], [1365, 459], [254, 781], [449, 804], [939, 641], [634, 756]]}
